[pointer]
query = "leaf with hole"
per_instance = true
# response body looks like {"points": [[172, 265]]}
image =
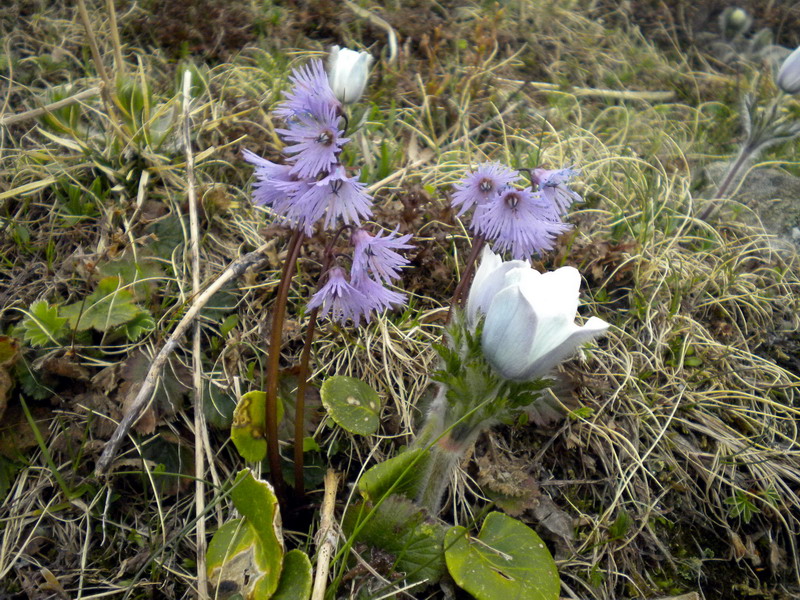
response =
{"points": [[506, 560], [245, 555], [352, 404]]}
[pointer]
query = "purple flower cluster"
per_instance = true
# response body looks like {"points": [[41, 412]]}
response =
{"points": [[314, 184], [374, 262], [519, 220]]}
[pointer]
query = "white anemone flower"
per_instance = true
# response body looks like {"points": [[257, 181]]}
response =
{"points": [[789, 75], [347, 73], [529, 325]]}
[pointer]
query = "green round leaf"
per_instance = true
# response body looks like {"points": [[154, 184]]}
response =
{"points": [[352, 404], [295, 582], [506, 560]]}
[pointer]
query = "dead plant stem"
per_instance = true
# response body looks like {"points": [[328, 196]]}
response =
{"points": [[112, 23], [43, 110], [145, 395], [197, 363], [326, 536]]}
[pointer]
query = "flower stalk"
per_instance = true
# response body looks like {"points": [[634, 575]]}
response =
{"points": [[273, 362]]}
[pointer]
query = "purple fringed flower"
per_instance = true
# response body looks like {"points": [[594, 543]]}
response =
{"points": [[376, 255], [317, 140], [482, 186], [335, 196], [379, 297], [341, 299], [310, 93], [268, 191], [520, 221], [552, 185]]}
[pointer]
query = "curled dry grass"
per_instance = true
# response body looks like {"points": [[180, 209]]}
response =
{"points": [[687, 411]]}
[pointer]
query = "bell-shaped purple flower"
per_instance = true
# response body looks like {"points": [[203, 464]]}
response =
{"points": [[317, 140], [310, 93], [335, 197], [553, 187], [340, 299], [519, 221], [267, 191], [380, 297], [376, 254], [481, 186]]}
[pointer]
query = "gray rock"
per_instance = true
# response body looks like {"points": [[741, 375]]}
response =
{"points": [[774, 196]]}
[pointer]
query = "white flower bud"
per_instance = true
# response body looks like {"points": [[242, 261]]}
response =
{"points": [[347, 73], [530, 317], [789, 75]]}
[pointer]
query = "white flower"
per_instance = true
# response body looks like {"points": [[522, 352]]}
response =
{"points": [[530, 316], [347, 73], [789, 75]]}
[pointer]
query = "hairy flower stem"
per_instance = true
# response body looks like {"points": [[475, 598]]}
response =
{"points": [[273, 364], [477, 245], [448, 433], [745, 152]]}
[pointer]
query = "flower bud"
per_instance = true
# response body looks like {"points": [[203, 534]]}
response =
{"points": [[789, 75], [530, 316], [734, 22], [347, 73]]}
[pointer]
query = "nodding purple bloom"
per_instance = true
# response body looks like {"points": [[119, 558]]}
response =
{"points": [[380, 298], [376, 255], [341, 299], [268, 191], [482, 185], [519, 221], [317, 141], [552, 185], [336, 196], [310, 93]]}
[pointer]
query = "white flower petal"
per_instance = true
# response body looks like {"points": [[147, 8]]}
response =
{"points": [[579, 336], [508, 333], [489, 280]]}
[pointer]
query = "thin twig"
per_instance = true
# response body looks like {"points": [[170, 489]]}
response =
{"points": [[197, 363], [145, 395], [38, 112], [326, 536]]}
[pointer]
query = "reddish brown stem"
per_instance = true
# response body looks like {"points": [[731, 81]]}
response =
{"points": [[302, 379], [300, 405], [273, 363], [477, 245]]}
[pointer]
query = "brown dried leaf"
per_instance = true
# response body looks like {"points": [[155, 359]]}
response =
{"points": [[555, 520]]}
